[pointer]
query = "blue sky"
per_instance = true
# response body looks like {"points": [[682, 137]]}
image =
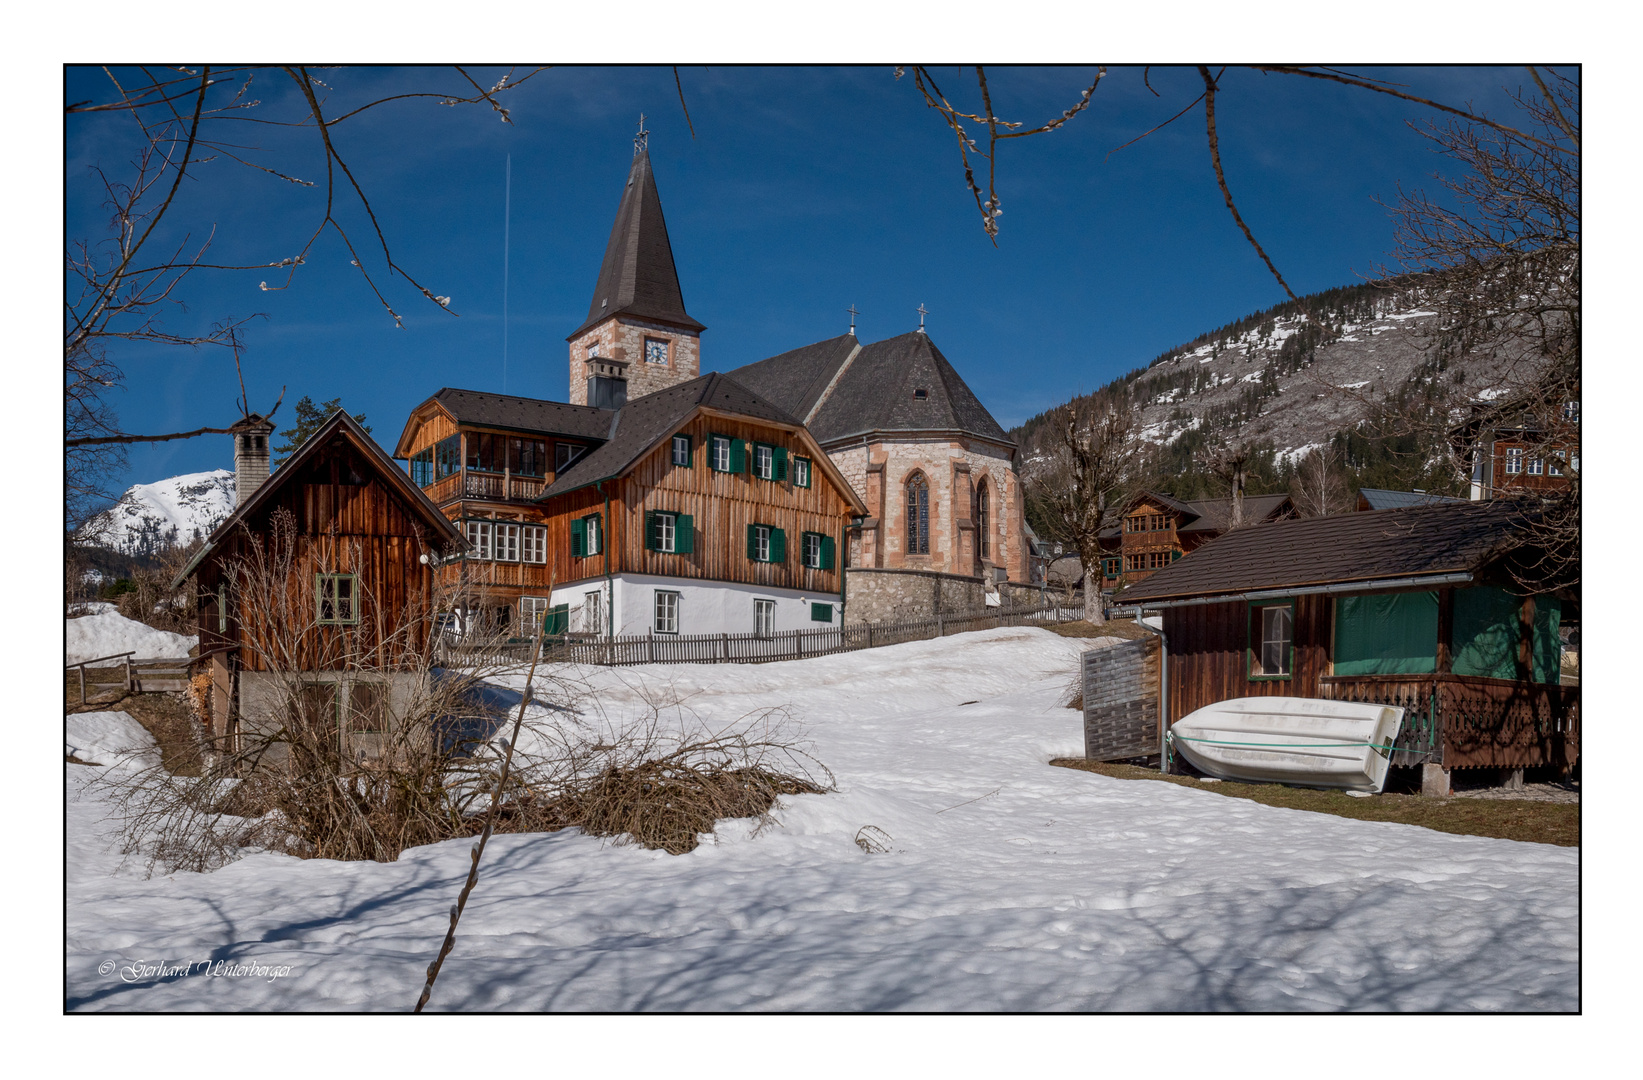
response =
{"points": [[805, 190]]}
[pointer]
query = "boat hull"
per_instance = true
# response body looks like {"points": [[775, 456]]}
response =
{"points": [[1309, 742]]}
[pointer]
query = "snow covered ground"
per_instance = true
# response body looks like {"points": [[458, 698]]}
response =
{"points": [[1009, 885], [107, 634]]}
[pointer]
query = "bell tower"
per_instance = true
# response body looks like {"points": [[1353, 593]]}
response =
{"points": [[637, 338]]}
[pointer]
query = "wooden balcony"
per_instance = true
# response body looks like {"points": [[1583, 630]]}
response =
{"points": [[477, 485]]}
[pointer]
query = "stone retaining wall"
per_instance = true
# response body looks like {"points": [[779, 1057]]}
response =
{"points": [[883, 596]]}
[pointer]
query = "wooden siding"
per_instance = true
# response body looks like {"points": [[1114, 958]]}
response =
{"points": [[725, 504], [345, 523], [1209, 659]]}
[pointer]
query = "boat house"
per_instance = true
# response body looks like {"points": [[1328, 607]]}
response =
{"points": [[1418, 607]]}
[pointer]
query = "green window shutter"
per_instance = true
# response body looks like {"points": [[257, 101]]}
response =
{"points": [[778, 545], [821, 613], [738, 456], [557, 620], [752, 542], [578, 537], [827, 561], [684, 534], [650, 531], [780, 454]]}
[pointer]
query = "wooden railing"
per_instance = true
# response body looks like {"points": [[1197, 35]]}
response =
{"points": [[477, 485], [655, 648], [498, 486], [1463, 721]]}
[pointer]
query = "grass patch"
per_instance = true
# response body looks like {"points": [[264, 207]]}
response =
{"points": [[1118, 628], [1504, 819]]}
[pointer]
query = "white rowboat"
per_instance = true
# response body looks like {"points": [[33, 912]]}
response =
{"points": [[1311, 742]]}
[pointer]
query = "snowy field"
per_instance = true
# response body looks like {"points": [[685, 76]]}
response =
{"points": [[1010, 885], [107, 633]]}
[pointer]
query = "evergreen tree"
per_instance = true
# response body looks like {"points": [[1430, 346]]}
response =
{"points": [[309, 418]]}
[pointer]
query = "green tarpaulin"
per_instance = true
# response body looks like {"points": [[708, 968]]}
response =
{"points": [[1487, 629], [1391, 634]]}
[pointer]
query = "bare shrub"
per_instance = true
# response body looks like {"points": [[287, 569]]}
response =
{"points": [[325, 771]]}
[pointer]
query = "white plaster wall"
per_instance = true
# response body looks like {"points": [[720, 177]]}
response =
{"points": [[705, 607]]}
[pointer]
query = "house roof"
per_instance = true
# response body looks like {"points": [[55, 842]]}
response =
{"points": [[874, 389], [1212, 515], [638, 276], [1382, 499], [1206, 515], [644, 421], [339, 424], [1369, 546], [524, 414]]}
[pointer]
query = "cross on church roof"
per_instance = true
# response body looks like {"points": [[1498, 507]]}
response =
{"points": [[853, 313], [921, 314], [641, 141]]}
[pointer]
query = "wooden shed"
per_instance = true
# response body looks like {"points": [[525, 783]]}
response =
{"points": [[1417, 607], [333, 544]]}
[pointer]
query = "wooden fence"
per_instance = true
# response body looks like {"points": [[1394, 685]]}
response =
{"points": [[654, 648], [1461, 721]]}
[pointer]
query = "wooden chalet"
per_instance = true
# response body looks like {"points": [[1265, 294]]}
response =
{"points": [[1509, 451], [333, 545], [1415, 607], [699, 508], [1154, 530]]}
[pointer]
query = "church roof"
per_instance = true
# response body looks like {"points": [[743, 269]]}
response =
{"points": [[638, 276], [877, 389], [796, 379], [644, 421]]}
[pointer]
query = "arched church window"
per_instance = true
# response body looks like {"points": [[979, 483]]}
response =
{"points": [[986, 546], [918, 515]]}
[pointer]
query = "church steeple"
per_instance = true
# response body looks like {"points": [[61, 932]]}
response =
{"points": [[637, 325]]}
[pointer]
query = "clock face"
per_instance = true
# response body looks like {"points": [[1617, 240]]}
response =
{"points": [[655, 351]]}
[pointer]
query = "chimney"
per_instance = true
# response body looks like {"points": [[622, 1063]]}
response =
{"points": [[250, 456]]}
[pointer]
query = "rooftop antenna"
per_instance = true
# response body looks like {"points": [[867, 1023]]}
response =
{"points": [[853, 313], [641, 141], [921, 314]]}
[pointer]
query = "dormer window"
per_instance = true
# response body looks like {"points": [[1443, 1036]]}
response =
{"points": [[920, 394]]}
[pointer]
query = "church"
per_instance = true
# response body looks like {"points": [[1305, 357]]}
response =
{"points": [[740, 498]]}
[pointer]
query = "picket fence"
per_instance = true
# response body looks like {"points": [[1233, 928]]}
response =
{"points": [[652, 648]]}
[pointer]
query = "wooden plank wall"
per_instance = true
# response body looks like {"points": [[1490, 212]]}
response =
{"points": [[1208, 661], [724, 504]]}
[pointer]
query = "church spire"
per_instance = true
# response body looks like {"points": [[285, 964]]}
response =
{"points": [[638, 277]]}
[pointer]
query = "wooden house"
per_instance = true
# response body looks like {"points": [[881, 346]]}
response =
{"points": [[1415, 607], [318, 576], [1510, 450], [698, 508], [1154, 530]]}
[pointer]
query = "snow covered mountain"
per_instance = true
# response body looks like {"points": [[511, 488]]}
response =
{"points": [[1279, 380], [151, 517]]}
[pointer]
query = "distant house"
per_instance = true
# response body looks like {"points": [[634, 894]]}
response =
{"points": [[345, 622], [1414, 607], [698, 508], [1156, 529], [1509, 451], [1382, 499]]}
